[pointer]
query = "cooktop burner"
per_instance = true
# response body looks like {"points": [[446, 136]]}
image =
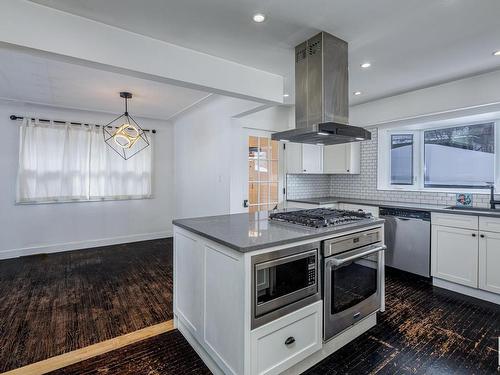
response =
{"points": [[320, 217]]}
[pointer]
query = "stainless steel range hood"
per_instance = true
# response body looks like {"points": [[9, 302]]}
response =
{"points": [[322, 94]]}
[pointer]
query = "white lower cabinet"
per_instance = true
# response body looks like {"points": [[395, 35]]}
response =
{"points": [[489, 262], [455, 255], [286, 341]]}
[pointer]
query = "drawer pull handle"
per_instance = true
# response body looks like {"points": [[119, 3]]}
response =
{"points": [[290, 340], [482, 236], [473, 234]]}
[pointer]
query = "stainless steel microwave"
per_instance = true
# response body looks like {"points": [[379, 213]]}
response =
{"points": [[284, 281]]}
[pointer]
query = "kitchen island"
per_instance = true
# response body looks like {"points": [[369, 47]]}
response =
{"points": [[223, 269]]}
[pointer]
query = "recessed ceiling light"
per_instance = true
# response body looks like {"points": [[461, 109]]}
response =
{"points": [[357, 93], [496, 53], [366, 65], [286, 95], [259, 17]]}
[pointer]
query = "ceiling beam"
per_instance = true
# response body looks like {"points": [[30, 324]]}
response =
{"points": [[29, 25]]}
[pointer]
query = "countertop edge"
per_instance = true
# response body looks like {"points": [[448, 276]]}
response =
{"points": [[404, 205], [249, 249]]}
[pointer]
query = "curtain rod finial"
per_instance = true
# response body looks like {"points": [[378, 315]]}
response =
{"points": [[14, 117]]}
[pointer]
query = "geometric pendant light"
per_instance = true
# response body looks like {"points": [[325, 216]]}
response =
{"points": [[124, 135]]}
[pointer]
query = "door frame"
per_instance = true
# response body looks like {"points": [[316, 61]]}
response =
{"points": [[249, 132]]}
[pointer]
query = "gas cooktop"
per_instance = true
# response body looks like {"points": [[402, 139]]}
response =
{"points": [[320, 217]]}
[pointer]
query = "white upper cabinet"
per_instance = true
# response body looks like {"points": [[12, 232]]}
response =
{"points": [[342, 159], [303, 158], [336, 159]]}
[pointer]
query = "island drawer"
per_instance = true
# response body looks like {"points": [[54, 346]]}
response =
{"points": [[286, 341]]}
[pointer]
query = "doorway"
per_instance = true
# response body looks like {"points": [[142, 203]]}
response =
{"points": [[264, 173]]}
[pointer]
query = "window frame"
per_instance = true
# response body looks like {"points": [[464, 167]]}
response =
{"points": [[392, 135], [384, 150]]}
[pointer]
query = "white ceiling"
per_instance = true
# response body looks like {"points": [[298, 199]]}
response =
{"points": [[36, 79], [411, 43]]}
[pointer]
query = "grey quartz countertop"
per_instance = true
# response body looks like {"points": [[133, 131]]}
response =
{"points": [[408, 205], [253, 231]]}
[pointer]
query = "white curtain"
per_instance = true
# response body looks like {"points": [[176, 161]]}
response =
{"points": [[112, 176], [72, 163]]}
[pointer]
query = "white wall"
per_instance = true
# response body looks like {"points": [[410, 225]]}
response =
{"points": [[261, 123], [211, 154], [468, 96], [203, 149], [29, 229]]}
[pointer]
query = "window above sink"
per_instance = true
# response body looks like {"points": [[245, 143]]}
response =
{"points": [[445, 158]]}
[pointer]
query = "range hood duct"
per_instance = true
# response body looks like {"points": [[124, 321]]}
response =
{"points": [[322, 94]]}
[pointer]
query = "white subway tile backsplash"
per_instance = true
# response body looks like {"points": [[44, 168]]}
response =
{"points": [[364, 185]]}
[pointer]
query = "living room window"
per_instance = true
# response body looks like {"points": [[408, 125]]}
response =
{"points": [[68, 163]]}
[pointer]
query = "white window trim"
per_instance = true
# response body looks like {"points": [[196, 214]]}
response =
{"points": [[383, 156]]}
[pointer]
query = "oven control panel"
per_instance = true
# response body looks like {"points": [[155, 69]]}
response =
{"points": [[311, 265]]}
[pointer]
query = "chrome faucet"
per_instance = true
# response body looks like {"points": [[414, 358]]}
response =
{"points": [[493, 202]]}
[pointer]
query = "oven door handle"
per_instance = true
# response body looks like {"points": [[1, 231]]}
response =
{"points": [[339, 261]]}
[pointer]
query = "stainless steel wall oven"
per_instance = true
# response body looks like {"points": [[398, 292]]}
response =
{"points": [[353, 278], [284, 281]]}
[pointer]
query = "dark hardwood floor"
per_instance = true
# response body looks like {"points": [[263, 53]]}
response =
{"points": [[425, 330], [56, 303]]}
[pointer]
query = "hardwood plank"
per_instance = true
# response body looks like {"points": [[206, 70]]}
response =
{"points": [[57, 303], [168, 353], [425, 330], [91, 351]]}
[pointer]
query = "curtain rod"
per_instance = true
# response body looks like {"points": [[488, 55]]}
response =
{"points": [[14, 117]]}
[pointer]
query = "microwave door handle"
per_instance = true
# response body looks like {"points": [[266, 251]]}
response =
{"points": [[338, 262]]}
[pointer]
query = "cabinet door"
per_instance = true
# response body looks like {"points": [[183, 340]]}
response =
{"points": [[312, 156], [342, 159], [455, 255], [335, 159], [489, 262], [188, 286], [354, 158], [293, 157]]}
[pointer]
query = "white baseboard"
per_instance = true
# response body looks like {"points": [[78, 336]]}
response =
{"points": [[468, 291], [67, 246]]}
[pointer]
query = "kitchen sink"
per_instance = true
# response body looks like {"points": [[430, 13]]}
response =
{"points": [[477, 209]]}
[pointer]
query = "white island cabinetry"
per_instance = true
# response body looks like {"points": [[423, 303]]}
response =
{"points": [[212, 309]]}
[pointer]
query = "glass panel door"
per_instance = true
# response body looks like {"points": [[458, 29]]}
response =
{"points": [[263, 173]]}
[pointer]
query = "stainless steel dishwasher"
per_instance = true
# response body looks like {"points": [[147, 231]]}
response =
{"points": [[408, 239]]}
